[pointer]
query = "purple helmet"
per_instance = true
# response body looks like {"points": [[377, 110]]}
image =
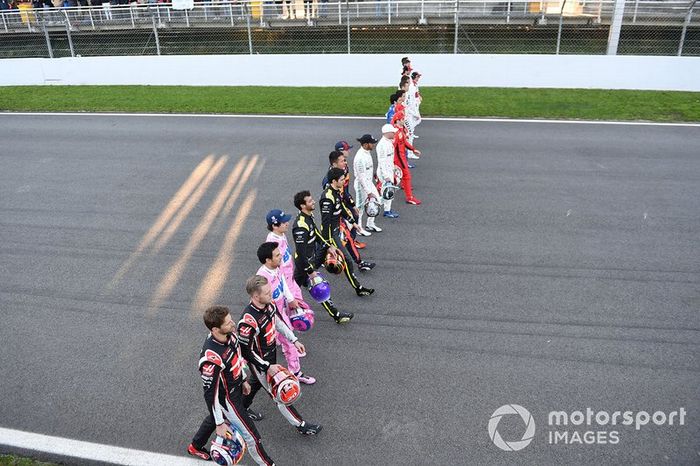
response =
{"points": [[303, 320], [320, 289]]}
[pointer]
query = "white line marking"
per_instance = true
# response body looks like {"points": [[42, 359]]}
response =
{"points": [[89, 451], [568, 212], [335, 117], [645, 215]]}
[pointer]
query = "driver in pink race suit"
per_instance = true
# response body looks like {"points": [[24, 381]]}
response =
{"points": [[270, 257], [278, 224]]}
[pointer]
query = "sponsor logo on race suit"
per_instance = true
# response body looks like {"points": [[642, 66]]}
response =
{"points": [[278, 291]]}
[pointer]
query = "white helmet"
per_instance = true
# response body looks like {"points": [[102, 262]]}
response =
{"points": [[388, 191], [398, 175], [228, 451], [372, 206]]}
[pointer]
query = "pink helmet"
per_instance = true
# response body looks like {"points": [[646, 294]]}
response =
{"points": [[303, 320]]}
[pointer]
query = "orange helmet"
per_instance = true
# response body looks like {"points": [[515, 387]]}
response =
{"points": [[284, 386], [334, 262]]}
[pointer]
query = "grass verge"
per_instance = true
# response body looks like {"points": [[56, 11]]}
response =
{"points": [[9, 460], [439, 101]]}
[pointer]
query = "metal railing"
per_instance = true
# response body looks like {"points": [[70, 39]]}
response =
{"points": [[386, 26]]}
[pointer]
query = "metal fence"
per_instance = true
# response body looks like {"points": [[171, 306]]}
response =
{"points": [[385, 26]]}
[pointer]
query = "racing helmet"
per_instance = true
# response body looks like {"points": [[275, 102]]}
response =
{"points": [[372, 206], [303, 320], [398, 175], [388, 191], [320, 289], [284, 387], [334, 263], [229, 450]]}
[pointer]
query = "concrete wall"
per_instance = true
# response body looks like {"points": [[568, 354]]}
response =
{"points": [[546, 71]]}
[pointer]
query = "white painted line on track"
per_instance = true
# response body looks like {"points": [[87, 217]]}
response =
{"points": [[90, 451], [336, 117]]}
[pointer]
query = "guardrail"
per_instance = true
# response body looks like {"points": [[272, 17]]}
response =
{"points": [[472, 26]]}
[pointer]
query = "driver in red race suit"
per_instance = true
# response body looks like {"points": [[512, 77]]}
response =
{"points": [[401, 144]]}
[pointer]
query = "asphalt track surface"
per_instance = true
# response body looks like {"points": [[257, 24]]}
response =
{"points": [[553, 266]]}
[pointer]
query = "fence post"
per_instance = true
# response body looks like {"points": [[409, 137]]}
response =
{"points": [[247, 23], [422, 12], [561, 21], [48, 41], [636, 7], [543, 10], [456, 26], [131, 13], [187, 18], [65, 13], [347, 14], [230, 12], [616, 27], [688, 17], [388, 10], [155, 34], [92, 20], [70, 38], [508, 13], [4, 21]]}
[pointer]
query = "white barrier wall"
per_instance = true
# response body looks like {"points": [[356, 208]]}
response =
{"points": [[543, 71]]}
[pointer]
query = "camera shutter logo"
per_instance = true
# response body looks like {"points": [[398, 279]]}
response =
{"points": [[529, 428]]}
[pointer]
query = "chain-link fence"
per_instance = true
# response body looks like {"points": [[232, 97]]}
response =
{"points": [[384, 26]]}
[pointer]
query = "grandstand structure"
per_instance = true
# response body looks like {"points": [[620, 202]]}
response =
{"points": [[389, 26]]}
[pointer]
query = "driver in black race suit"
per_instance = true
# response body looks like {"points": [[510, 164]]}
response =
{"points": [[310, 251], [223, 379], [331, 213], [257, 332]]}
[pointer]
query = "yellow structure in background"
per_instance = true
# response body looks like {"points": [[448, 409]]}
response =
{"points": [[255, 9], [291, 9], [571, 8], [26, 13]]}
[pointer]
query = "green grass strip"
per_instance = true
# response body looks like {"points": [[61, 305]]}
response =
{"points": [[10, 460], [439, 101]]}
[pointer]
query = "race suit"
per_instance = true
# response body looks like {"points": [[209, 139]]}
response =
{"points": [[257, 332], [385, 166], [282, 296], [348, 234], [413, 105], [309, 254], [331, 213], [221, 368], [287, 266], [389, 113], [401, 144], [363, 167]]}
